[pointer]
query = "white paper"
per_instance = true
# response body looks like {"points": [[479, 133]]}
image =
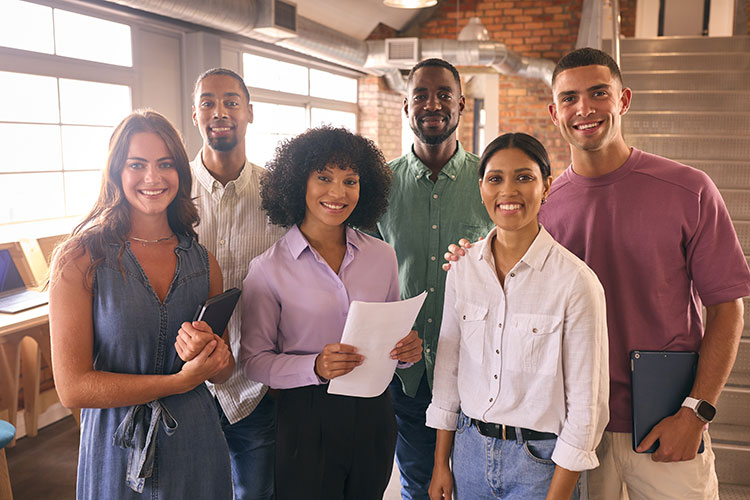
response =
{"points": [[374, 328]]}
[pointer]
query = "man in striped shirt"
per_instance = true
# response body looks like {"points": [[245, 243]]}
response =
{"points": [[235, 229]]}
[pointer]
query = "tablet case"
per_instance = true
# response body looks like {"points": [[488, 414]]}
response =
{"points": [[660, 382], [217, 310]]}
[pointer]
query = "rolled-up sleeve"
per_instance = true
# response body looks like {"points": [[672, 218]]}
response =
{"points": [[445, 406], [586, 375]]}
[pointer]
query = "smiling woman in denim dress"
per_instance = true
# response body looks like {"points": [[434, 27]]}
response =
{"points": [[521, 376], [123, 286]]}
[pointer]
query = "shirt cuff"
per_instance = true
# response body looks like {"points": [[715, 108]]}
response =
{"points": [[572, 458], [438, 418], [402, 365]]}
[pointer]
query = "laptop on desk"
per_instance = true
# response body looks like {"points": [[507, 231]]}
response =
{"points": [[15, 296]]}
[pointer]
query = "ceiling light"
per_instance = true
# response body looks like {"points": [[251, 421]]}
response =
{"points": [[475, 30], [410, 4]]}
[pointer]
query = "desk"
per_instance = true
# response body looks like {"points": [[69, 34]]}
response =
{"points": [[24, 335]]}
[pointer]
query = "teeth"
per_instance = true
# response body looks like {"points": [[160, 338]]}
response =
{"points": [[220, 129], [586, 126], [152, 192], [509, 206], [333, 206]]}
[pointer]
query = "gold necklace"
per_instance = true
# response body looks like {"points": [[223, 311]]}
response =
{"points": [[145, 242]]}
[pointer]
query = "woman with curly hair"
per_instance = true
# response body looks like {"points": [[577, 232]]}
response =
{"points": [[322, 184], [123, 286]]}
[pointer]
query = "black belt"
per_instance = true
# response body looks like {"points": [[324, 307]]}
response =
{"points": [[500, 431]]}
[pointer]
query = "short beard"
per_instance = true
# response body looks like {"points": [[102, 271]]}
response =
{"points": [[434, 140], [222, 144]]}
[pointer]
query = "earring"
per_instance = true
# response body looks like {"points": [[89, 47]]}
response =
{"points": [[544, 200]]}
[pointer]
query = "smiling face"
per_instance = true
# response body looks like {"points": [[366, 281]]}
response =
{"points": [[588, 104], [149, 178], [433, 104], [221, 112], [331, 196], [512, 191]]}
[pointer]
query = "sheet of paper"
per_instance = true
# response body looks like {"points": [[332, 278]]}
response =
{"points": [[374, 329]]}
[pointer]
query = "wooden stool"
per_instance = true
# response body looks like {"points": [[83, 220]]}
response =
{"points": [[7, 433]]}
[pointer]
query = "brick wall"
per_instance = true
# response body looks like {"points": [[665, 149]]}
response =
{"points": [[533, 28], [627, 18], [380, 115]]}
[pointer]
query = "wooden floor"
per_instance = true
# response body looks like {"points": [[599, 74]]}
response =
{"points": [[44, 467]]}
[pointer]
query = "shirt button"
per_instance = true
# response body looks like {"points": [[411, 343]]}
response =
{"points": [[534, 330], [341, 285], [499, 325], [427, 350], [432, 289], [433, 258], [429, 320], [434, 226], [512, 275], [497, 351], [221, 242], [496, 376], [434, 196], [490, 400]]}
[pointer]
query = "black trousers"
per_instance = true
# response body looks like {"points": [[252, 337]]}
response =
{"points": [[331, 447]]}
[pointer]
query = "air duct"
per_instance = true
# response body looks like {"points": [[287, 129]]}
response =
{"points": [[241, 17]]}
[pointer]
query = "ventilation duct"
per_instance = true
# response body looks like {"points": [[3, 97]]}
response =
{"points": [[314, 39]]}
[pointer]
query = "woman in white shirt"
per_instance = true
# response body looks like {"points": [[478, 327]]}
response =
{"points": [[521, 377]]}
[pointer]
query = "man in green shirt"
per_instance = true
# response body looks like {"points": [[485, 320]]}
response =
{"points": [[434, 201]]}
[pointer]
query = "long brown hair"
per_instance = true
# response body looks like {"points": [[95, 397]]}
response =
{"points": [[108, 222]]}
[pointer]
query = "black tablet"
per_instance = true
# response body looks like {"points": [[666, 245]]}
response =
{"points": [[660, 382], [217, 310]]}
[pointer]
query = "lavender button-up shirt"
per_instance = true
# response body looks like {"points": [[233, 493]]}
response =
{"points": [[293, 304]]}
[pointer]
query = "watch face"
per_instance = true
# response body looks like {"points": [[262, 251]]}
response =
{"points": [[706, 410]]}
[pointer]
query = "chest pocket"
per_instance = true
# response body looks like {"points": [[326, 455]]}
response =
{"points": [[472, 319], [535, 339]]}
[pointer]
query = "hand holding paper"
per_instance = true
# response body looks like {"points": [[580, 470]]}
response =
{"points": [[374, 329]]}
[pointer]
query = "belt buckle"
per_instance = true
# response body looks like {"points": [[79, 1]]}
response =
{"points": [[505, 437]]}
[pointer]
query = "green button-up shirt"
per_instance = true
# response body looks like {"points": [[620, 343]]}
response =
{"points": [[423, 218]]}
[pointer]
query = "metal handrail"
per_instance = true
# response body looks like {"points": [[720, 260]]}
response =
{"points": [[616, 31]]}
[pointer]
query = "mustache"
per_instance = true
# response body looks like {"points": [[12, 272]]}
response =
{"points": [[433, 114]]}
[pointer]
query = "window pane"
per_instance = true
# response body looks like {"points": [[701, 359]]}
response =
{"points": [[93, 103], [29, 98], [85, 148], [26, 26], [329, 86], [30, 197], [17, 140], [266, 73], [92, 39], [336, 118], [81, 191], [272, 123]]}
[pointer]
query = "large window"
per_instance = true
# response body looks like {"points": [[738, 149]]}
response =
{"points": [[54, 131], [289, 98]]}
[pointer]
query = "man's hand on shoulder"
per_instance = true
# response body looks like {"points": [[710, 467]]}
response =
{"points": [[455, 252], [679, 437]]}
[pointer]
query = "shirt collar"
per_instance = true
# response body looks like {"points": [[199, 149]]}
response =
{"points": [[209, 183], [449, 170], [298, 243], [535, 256]]}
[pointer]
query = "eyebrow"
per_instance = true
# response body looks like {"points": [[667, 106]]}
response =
{"points": [[138, 158], [424, 89], [590, 89], [522, 169], [226, 94]]}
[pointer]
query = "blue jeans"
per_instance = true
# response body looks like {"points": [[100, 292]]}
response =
{"points": [[489, 468], [251, 444], [415, 445]]}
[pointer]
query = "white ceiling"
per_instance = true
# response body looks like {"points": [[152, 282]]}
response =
{"points": [[356, 18]]}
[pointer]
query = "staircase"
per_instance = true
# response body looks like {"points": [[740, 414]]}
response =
{"points": [[691, 103]]}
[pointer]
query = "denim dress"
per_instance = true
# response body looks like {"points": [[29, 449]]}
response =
{"points": [[171, 448]]}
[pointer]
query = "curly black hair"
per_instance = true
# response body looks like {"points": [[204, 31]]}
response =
{"points": [[284, 185]]}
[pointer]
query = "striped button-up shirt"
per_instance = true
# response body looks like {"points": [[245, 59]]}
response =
{"points": [[235, 229]]}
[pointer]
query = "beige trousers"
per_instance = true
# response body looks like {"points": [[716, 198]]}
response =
{"points": [[624, 474]]}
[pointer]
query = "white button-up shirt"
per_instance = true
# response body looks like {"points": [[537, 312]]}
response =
{"points": [[532, 354], [235, 229]]}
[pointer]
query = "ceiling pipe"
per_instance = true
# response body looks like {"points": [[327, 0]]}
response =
{"points": [[240, 17]]}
